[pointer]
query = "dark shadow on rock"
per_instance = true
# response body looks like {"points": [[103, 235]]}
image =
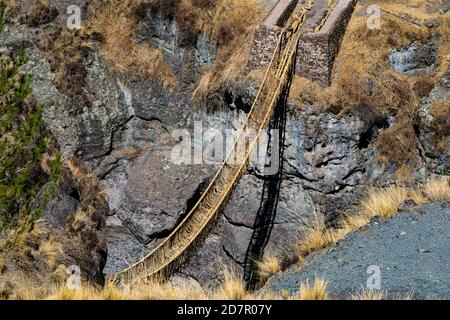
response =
{"points": [[267, 211]]}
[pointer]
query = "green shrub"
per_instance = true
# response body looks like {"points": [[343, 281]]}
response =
{"points": [[29, 169]]}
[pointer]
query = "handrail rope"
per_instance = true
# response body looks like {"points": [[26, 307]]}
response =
{"points": [[298, 22]]}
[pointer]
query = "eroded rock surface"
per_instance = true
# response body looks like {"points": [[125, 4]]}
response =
{"points": [[433, 126], [123, 128], [418, 58]]}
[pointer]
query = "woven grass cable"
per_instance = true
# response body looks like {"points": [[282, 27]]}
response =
{"points": [[298, 21], [162, 260]]}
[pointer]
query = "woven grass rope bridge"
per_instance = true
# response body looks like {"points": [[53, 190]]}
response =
{"points": [[171, 252]]}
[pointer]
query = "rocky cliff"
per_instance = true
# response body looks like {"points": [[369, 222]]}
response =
{"points": [[122, 127]]}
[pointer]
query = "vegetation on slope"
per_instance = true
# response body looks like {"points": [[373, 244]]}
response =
{"points": [[29, 164], [383, 203], [226, 22], [364, 84]]}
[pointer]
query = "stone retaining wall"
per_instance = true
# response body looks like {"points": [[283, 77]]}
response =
{"points": [[317, 51], [265, 39]]}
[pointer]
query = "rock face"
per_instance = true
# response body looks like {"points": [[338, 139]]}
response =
{"points": [[330, 159], [410, 250], [88, 134], [433, 126], [124, 128], [415, 59], [229, 244]]}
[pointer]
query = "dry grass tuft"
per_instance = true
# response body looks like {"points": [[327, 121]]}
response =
{"points": [[318, 236], [268, 267], [440, 111], [52, 250], [88, 183], [233, 288], [84, 293], [82, 218], [367, 294], [116, 22], [239, 20], [318, 291], [2, 265], [383, 202], [376, 295], [438, 189]]}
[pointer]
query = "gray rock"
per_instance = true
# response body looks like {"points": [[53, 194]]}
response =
{"points": [[123, 247], [435, 137], [417, 260], [156, 195], [330, 158], [151, 195], [228, 245], [415, 59], [87, 135]]}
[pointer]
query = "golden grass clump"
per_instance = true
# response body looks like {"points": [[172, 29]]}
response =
{"points": [[52, 250], [222, 20], [268, 267], [233, 288], [377, 295], [367, 294], [88, 183], [116, 22], [81, 218], [318, 291], [438, 189], [383, 203], [227, 22], [2, 265], [316, 236]]}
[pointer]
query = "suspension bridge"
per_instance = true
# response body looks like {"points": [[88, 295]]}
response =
{"points": [[173, 250]]}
